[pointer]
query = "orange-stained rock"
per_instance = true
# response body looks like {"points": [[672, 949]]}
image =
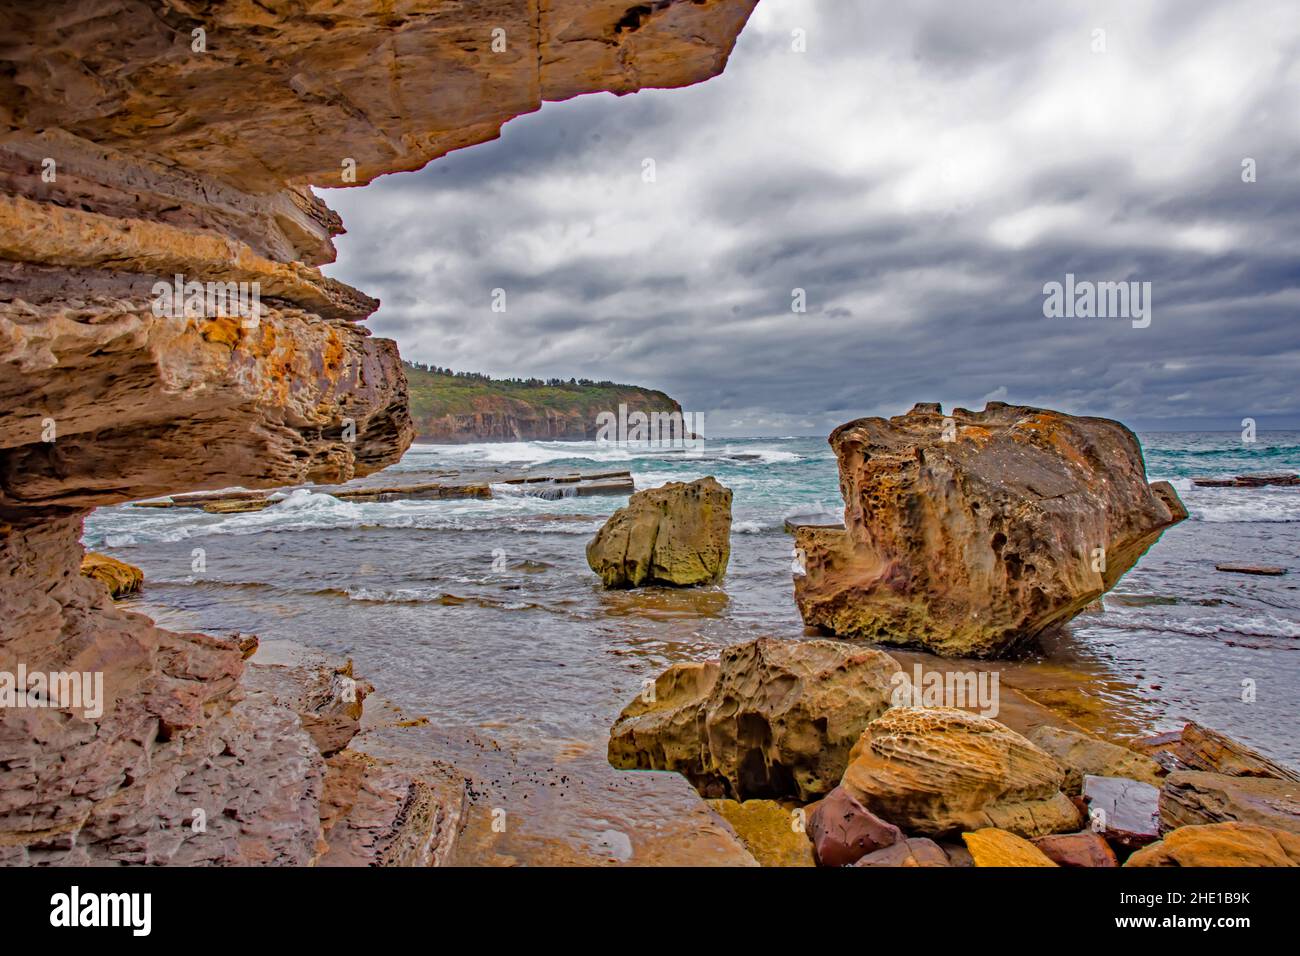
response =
{"points": [[990, 847], [940, 771], [1077, 849], [1221, 844], [119, 577], [770, 718], [970, 534]]}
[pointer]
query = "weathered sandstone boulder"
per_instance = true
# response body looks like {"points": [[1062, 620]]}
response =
{"points": [[770, 718], [843, 830], [1085, 849], [1080, 754], [131, 154], [768, 830], [1191, 797], [971, 533], [990, 847], [678, 534], [941, 771], [119, 577], [1221, 844]]}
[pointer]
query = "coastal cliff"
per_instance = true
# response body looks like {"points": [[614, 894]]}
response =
{"points": [[145, 142], [453, 408]]}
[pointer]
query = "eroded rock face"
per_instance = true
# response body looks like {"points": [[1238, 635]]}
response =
{"points": [[678, 534], [971, 533], [940, 772], [770, 719], [140, 142]]}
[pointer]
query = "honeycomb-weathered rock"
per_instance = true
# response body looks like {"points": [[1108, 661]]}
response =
{"points": [[972, 533], [940, 771], [146, 144], [771, 718]]}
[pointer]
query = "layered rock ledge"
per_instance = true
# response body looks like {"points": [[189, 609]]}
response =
{"points": [[972, 533], [142, 140]]}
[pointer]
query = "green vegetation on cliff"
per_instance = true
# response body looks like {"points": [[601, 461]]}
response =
{"points": [[452, 406]]}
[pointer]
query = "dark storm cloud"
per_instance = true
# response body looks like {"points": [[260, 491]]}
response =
{"points": [[919, 172]]}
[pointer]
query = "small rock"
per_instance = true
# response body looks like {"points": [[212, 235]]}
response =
{"points": [[917, 851], [1085, 849], [119, 577], [990, 847], [843, 830]]}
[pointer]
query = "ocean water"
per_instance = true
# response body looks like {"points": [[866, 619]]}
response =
{"points": [[483, 616]]}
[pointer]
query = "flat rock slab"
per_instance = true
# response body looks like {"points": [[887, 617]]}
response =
{"points": [[1124, 811], [1271, 570], [1193, 797]]}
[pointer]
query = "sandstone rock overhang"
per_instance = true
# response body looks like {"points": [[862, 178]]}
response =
{"points": [[141, 140], [970, 534]]}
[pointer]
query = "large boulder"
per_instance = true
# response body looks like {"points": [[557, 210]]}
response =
{"points": [[941, 771], [678, 534], [1221, 844], [769, 719], [971, 533]]}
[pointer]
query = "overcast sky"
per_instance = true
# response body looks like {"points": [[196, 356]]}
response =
{"points": [[921, 170]]}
